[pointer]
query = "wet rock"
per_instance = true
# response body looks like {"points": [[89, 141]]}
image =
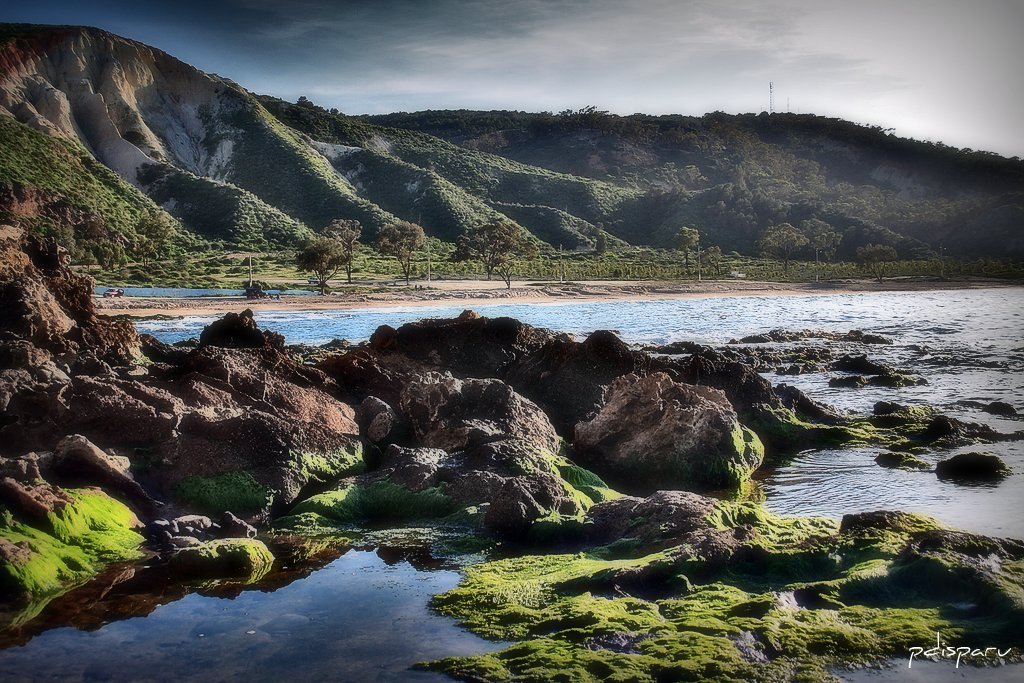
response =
{"points": [[184, 542], [452, 414], [653, 431], [414, 468], [972, 467], [784, 336]]}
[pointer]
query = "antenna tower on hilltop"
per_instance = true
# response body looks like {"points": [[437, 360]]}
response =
{"points": [[771, 97]]}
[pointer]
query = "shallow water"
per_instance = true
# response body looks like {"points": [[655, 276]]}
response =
{"points": [[968, 344], [358, 618]]}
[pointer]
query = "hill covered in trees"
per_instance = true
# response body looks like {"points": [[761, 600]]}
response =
{"points": [[99, 131]]}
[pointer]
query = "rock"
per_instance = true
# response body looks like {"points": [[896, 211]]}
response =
{"points": [[523, 500], [233, 527], [184, 542], [654, 432], [799, 402], [885, 520], [1000, 408], [661, 520], [860, 364], [414, 468], [32, 501], [47, 304], [902, 461], [79, 461], [972, 467], [376, 418], [452, 414], [848, 382], [234, 558], [239, 331]]}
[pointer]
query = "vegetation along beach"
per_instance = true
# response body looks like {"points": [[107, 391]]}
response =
{"points": [[472, 393]]}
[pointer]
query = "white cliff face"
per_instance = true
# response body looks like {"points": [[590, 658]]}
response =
{"points": [[128, 104]]}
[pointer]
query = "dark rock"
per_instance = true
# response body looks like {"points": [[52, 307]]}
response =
{"points": [[233, 527], [972, 467], [239, 331], [861, 364], [1000, 408]]}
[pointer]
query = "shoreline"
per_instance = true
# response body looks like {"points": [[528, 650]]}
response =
{"points": [[481, 292]]}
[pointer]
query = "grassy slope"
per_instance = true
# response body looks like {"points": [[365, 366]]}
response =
{"points": [[66, 169], [420, 175]]}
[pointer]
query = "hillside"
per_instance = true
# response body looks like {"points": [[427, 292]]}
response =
{"points": [[253, 171], [732, 176]]}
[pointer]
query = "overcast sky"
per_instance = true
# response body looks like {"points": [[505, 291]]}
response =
{"points": [[940, 70]]}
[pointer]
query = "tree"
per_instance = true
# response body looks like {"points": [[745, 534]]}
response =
{"points": [[322, 256], [822, 238], [401, 240], [497, 245], [782, 241], [687, 239], [712, 256], [153, 234], [347, 232], [876, 257]]}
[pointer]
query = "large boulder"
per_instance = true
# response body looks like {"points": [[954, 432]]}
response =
{"points": [[452, 414], [653, 432], [523, 500]]}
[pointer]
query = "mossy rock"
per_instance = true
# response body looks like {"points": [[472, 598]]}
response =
{"points": [[245, 559], [87, 533], [901, 461]]}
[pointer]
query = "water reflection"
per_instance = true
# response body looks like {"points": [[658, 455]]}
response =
{"points": [[326, 612]]}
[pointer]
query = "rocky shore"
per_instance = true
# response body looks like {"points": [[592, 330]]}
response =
{"points": [[589, 464]]}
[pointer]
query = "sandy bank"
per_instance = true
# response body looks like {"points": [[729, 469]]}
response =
{"points": [[480, 292]]}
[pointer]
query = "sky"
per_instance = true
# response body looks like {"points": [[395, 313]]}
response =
{"points": [[939, 70]]}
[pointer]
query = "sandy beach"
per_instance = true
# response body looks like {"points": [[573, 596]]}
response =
{"points": [[479, 292]]}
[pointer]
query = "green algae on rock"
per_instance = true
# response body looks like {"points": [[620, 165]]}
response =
{"points": [[244, 559], [85, 534], [377, 501], [796, 598]]}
